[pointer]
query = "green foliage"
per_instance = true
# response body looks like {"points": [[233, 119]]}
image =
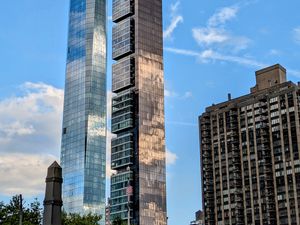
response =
{"points": [[32, 214], [77, 219], [9, 214], [119, 221]]}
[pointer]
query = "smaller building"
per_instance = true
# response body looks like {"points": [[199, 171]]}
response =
{"points": [[250, 154], [198, 218]]}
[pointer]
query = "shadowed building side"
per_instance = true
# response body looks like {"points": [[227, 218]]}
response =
{"points": [[53, 201]]}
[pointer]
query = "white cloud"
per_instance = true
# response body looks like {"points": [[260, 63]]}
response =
{"points": [[215, 36], [173, 94], [174, 7], [208, 36], [274, 52], [174, 23], [222, 16], [171, 157], [24, 173], [176, 19], [31, 122], [170, 93], [219, 38], [30, 134], [211, 56], [296, 35], [30, 127]]}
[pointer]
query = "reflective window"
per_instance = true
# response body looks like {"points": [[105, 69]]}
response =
{"points": [[122, 8], [123, 74], [123, 42]]}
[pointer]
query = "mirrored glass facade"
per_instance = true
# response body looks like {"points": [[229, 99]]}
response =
{"points": [[83, 150], [138, 151]]}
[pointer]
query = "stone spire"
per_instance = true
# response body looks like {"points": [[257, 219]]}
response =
{"points": [[53, 200]]}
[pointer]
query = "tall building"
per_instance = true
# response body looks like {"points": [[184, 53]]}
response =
{"points": [[83, 150], [250, 154], [198, 218], [138, 151]]}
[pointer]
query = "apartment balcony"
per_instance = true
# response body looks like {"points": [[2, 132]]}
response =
{"points": [[123, 74], [122, 9], [123, 39]]}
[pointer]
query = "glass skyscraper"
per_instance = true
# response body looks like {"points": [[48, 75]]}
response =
{"points": [[138, 151], [83, 152]]}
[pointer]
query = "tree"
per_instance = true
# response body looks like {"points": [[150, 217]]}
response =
{"points": [[119, 221], [32, 214], [77, 219], [10, 213]]}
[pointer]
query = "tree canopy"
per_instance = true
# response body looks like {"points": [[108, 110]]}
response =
{"points": [[77, 219], [119, 221], [32, 214], [10, 213]]}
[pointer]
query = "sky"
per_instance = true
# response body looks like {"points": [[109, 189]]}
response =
{"points": [[211, 48]]}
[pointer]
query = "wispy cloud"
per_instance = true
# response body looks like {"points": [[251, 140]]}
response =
{"points": [[223, 15], [171, 157], [215, 36], [173, 94], [274, 52], [205, 55], [208, 36], [170, 93], [296, 35], [176, 19], [210, 55]]}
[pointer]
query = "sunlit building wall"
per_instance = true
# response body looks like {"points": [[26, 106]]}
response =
{"points": [[138, 151], [250, 154], [83, 150]]}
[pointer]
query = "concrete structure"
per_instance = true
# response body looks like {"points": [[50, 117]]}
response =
{"points": [[138, 151], [199, 218], [53, 201], [250, 155], [83, 149]]}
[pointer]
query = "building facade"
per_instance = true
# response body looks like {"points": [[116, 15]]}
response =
{"points": [[107, 213], [250, 155], [83, 150], [138, 151], [199, 218]]}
